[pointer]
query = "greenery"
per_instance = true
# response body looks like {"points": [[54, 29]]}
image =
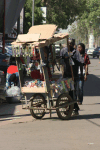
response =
{"points": [[28, 14], [62, 12], [88, 21]]}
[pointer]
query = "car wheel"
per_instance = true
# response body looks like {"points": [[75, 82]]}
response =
{"points": [[97, 56]]}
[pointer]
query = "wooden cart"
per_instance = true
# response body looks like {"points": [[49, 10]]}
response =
{"points": [[42, 98]]}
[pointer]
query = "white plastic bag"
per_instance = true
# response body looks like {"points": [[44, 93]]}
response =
{"points": [[13, 91]]}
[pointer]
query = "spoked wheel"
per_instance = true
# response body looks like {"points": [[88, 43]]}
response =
{"points": [[38, 103], [64, 111]]}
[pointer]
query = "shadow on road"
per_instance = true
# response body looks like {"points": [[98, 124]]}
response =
{"points": [[11, 117], [7, 109], [92, 86], [87, 118]]}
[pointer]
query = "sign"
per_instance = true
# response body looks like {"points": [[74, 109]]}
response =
{"points": [[44, 9]]}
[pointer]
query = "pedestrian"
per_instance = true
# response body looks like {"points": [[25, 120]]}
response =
{"points": [[76, 61], [81, 49]]}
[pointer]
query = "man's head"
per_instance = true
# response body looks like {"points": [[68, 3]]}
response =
{"points": [[71, 44], [13, 78]]}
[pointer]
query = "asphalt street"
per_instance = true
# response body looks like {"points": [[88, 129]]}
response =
{"points": [[20, 131]]}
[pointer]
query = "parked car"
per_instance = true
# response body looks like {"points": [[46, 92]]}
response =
{"points": [[96, 52], [4, 60], [57, 50], [90, 51]]}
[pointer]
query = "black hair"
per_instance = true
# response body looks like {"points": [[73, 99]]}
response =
{"points": [[72, 41], [13, 77], [83, 47]]}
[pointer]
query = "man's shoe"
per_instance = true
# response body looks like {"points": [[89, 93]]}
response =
{"points": [[75, 113], [79, 103]]}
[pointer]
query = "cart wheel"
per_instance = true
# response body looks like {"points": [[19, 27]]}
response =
{"points": [[38, 102], [65, 111]]}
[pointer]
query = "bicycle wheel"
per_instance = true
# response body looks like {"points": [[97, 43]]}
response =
{"points": [[37, 102], [64, 111]]}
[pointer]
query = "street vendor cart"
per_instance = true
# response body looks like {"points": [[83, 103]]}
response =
{"points": [[50, 93]]}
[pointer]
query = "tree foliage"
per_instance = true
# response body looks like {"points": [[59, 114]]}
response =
{"points": [[89, 21], [62, 12], [38, 18]]}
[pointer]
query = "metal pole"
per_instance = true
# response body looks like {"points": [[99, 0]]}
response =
{"points": [[3, 51], [18, 25], [32, 12], [23, 20]]}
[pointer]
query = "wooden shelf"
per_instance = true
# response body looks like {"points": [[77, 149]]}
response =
{"points": [[33, 90]]}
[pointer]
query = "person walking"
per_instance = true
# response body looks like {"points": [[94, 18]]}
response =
{"points": [[81, 49]]}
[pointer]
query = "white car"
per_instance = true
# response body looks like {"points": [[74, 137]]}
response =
{"points": [[57, 48], [90, 51]]}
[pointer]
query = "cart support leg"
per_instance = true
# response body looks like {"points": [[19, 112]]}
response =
{"points": [[50, 113], [26, 101]]}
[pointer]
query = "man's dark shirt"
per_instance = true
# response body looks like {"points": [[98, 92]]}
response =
{"points": [[76, 60]]}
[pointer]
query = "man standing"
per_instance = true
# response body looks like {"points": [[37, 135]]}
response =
{"points": [[74, 58]]}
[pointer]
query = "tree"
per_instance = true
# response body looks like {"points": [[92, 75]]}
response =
{"points": [[38, 18], [62, 12], [88, 21]]}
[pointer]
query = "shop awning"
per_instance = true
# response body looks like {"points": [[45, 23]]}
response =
{"points": [[12, 12]]}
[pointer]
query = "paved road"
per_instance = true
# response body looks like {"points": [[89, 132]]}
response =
{"points": [[19, 131]]}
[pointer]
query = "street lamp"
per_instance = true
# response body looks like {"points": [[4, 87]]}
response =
{"points": [[32, 12]]}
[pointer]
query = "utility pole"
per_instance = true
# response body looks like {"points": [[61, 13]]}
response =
{"points": [[18, 25], [32, 12], [23, 20], [3, 51]]}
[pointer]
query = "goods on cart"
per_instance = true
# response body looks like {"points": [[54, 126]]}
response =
{"points": [[62, 85], [35, 83]]}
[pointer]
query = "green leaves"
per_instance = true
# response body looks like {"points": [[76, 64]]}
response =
{"points": [[62, 12], [88, 20], [28, 14]]}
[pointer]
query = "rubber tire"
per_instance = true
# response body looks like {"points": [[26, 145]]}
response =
{"points": [[97, 56], [70, 108], [31, 103]]}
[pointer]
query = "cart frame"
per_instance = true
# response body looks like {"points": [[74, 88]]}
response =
{"points": [[47, 90]]}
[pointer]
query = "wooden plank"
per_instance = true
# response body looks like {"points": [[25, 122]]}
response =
{"points": [[46, 77], [33, 90], [46, 30], [45, 72], [23, 38], [21, 79]]}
